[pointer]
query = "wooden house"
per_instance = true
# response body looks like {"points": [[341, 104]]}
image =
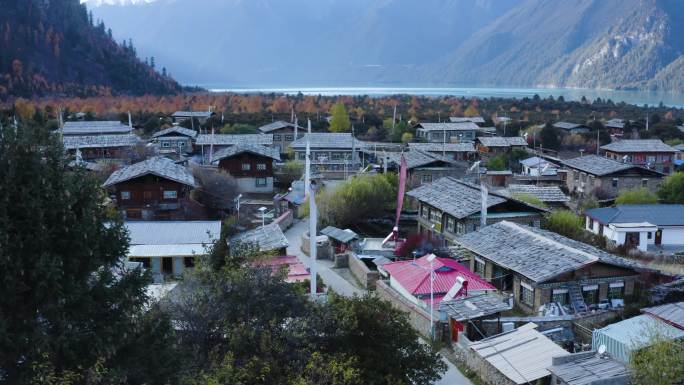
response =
{"points": [[156, 188], [649, 153], [174, 140], [250, 165], [447, 132], [283, 134], [101, 147]]}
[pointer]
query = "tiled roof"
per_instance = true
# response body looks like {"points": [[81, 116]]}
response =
{"points": [[159, 166], [195, 114], [340, 235], [100, 141], [453, 196], [182, 131], [109, 127], [522, 355], [474, 119], [661, 215], [269, 237], [231, 140], [597, 165], [277, 125], [638, 145], [446, 147], [537, 254], [415, 276], [544, 193], [462, 126], [328, 140], [415, 158], [475, 306], [501, 141], [250, 148]]}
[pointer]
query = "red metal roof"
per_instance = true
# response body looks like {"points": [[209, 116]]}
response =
{"points": [[296, 270], [416, 279]]}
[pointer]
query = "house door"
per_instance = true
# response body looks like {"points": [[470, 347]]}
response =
{"points": [[659, 237], [167, 266]]}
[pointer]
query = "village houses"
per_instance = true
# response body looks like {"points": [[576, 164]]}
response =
{"points": [[649, 153], [250, 164]]}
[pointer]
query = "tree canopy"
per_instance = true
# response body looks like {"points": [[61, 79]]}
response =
{"points": [[672, 189], [340, 118], [636, 197]]}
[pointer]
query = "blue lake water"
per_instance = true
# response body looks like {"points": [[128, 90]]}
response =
{"points": [[651, 98]]}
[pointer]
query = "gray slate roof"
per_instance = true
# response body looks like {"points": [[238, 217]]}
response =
{"points": [[108, 127], [544, 193], [227, 152], [461, 126], [661, 215], [474, 119], [638, 145], [446, 147], [194, 114], [569, 126], [672, 313], [453, 196], [539, 255], [597, 165], [328, 140], [501, 141], [100, 141], [231, 140], [416, 158], [182, 131], [159, 166], [615, 123], [474, 306], [588, 368], [269, 237], [277, 125], [340, 235]]}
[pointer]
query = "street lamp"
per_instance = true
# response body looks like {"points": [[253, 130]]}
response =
{"points": [[237, 206], [430, 259], [262, 210]]}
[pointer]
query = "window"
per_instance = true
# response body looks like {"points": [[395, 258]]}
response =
{"points": [[526, 294], [649, 235], [261, 182], [276, 136], [289, 137], [426, 178], [460, 228], [450, 224], [302, 156], [337, 156], [166, 144], [591, 224], [651, 159], [644, 183], [616, 290], [576, 176], [181, 143], [125, 195], [246, 167], [560, 296], [590, 294], [424, 212], [170, 194], [479, 267], [261, 166], [615, 182], [435, 216]]}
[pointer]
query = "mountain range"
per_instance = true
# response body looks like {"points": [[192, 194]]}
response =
{"points": [[54, 47], [559, 43]]}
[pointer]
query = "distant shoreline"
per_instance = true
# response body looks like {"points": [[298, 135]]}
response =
{"points": [[652, 98]]}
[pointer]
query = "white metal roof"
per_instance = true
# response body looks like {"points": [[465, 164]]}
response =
{"points": [[173, 232], [522, 355], [186, 250]]}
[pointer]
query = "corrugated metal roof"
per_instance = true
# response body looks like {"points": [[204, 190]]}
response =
{"points": [[589, 369], [475, 306], [502, 141], [460, 126], [415, 276], [185, 250], [328, 140], [661, 215], [173, 232], [340, 235], [622, 338], [522, 355], [278, 124], [672, 313], [474, 119]]}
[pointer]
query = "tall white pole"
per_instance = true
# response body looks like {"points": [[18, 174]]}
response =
{"points": [[307, 167], [483, 212], [313, 218], [432, 301], [295, 127]]}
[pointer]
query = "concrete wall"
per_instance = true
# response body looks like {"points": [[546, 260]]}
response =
{"points": [[248, 185], [285, 220], [418, 318], [362, 273], [323, 251]]}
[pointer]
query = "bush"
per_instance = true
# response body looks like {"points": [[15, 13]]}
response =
{"points": [[636, 197], [497, 163], [565, 223], [672, 189], [531, 199]]}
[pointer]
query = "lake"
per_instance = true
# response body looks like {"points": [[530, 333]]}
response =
{"points": [[631, 97]]}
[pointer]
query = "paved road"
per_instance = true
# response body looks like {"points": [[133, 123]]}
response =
{"points": [[331, 278]]}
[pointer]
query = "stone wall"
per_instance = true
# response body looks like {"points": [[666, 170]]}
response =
{"points": [[487, 373], [418, 317], [323, 250], [285, 220], [362, 273]]}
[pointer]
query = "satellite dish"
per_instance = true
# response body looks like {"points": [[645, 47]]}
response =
{"points": [[602, 349]]}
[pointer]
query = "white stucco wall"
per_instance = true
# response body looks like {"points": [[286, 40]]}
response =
{"points": [[248, 185], [673, 235]]}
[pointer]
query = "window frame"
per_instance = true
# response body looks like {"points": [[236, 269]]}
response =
{"points": [[258, 183], [169, 194]]}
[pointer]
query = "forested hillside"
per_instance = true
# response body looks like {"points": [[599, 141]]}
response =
{"points": [[52, 47]]}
